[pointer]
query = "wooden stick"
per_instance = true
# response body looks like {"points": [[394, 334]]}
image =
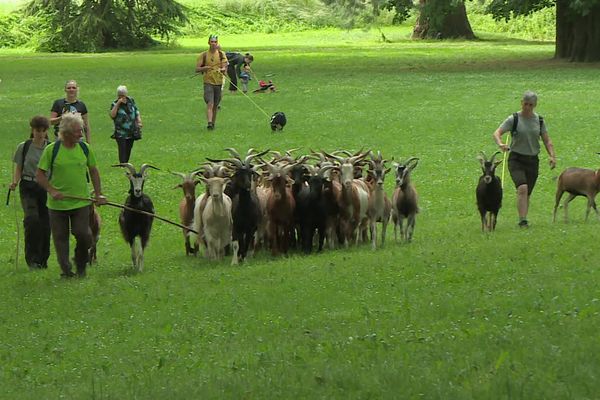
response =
{"points": [[109, 203]]}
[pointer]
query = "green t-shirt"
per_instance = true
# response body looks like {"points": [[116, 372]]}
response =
{"points": [[69, 174]]}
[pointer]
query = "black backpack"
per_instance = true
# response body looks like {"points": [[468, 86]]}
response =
{"points": [[278, 121], [513, 131]]}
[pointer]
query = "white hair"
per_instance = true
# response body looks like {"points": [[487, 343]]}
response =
{"points": [[122, 90], [530, 97]]}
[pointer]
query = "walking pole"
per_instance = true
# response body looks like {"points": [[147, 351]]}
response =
{"points": [[16, 222]]}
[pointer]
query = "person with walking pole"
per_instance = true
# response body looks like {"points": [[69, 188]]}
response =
{"points": [[33, 197], [212, 64], [526, 128], [64, 170]]}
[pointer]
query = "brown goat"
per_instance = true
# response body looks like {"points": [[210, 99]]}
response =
{"points": [[280, 208], [578, 182], [186, 208], [404, 200], [380, 206]]}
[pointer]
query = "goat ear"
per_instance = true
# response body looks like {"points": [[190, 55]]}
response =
{"points": [[177, 186], [387, 170], [497, 163]]}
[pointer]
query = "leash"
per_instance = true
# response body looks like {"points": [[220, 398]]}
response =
{"points": [[504, 162], [135, 210], [248, 97]]}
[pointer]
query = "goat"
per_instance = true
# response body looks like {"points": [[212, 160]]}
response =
{"points": [[246, 209], [280, 207], [136, 227], [354, 199], [578, 182], [380, 206], [489, 192], [311, 209], [186, 208], [404, 200], [215, 220]]}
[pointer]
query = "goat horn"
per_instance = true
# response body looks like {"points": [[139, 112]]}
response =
{"points": [[333, 156], [144, 167], [482, 154], [413, 165], [494, 156], [180, 174], [233, 152], [129, 166], [251, 157]]}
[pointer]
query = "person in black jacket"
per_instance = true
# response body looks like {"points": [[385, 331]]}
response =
{"points": [[237, 63]]}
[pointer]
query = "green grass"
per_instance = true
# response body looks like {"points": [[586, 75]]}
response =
{"points": [[455, 314]]}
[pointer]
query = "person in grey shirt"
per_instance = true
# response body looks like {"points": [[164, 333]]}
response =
{"points": [[526, 128], [33, 196]]}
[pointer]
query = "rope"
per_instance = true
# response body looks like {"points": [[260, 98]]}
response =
{"points": [[109, 203], [504, 161], [252, 101]]}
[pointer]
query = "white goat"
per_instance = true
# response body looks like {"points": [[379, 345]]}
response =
{"points": [[213, 219]]}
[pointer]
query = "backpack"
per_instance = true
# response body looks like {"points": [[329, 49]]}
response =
{"points": [[278, 121], [84, 147], [513, 131], [26, 146]]}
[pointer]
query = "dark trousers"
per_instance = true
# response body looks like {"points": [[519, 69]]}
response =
{"points": [[125, 146], [35, 223], [232, 77], [77, 222]]}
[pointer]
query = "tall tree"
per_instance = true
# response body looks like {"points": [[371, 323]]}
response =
{"points": [[577, 24], [92, 25], [442, 19]]}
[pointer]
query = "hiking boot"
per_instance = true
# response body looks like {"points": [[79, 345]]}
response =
{"points": [[210, 126], [523, 224]]}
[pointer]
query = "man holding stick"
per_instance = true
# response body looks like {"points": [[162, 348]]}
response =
{"points": [[63, 172], [212, 64]]}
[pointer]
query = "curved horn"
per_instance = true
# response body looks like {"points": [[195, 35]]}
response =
{"points": [[144, 167], [129, 166], [233, 152], [494, 156], [412, 164], [333, 157], [180, 174], [251, 157]]}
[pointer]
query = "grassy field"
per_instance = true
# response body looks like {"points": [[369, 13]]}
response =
{"points": [[455, 314]]}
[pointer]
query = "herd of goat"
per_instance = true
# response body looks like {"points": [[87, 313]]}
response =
{"points": [[280, 201]]}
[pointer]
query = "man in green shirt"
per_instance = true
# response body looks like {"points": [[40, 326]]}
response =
{"points": [[63, 172]]}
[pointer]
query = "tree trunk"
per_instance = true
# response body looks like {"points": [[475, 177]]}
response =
{"points": [[577, 36], [438, 19]]}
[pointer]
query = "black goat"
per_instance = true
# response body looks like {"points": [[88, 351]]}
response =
{"points": [[489, 192], [311, 209], [246, 212], [136, 225]]}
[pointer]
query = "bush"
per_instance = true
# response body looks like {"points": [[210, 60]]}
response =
{"points": [[540, 25], [18, 31]]}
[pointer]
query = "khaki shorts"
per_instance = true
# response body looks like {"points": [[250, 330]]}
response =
{"points": [[523, 170], [212, 94]]}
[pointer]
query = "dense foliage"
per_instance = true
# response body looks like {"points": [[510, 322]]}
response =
{"points": [[92, 25]]}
